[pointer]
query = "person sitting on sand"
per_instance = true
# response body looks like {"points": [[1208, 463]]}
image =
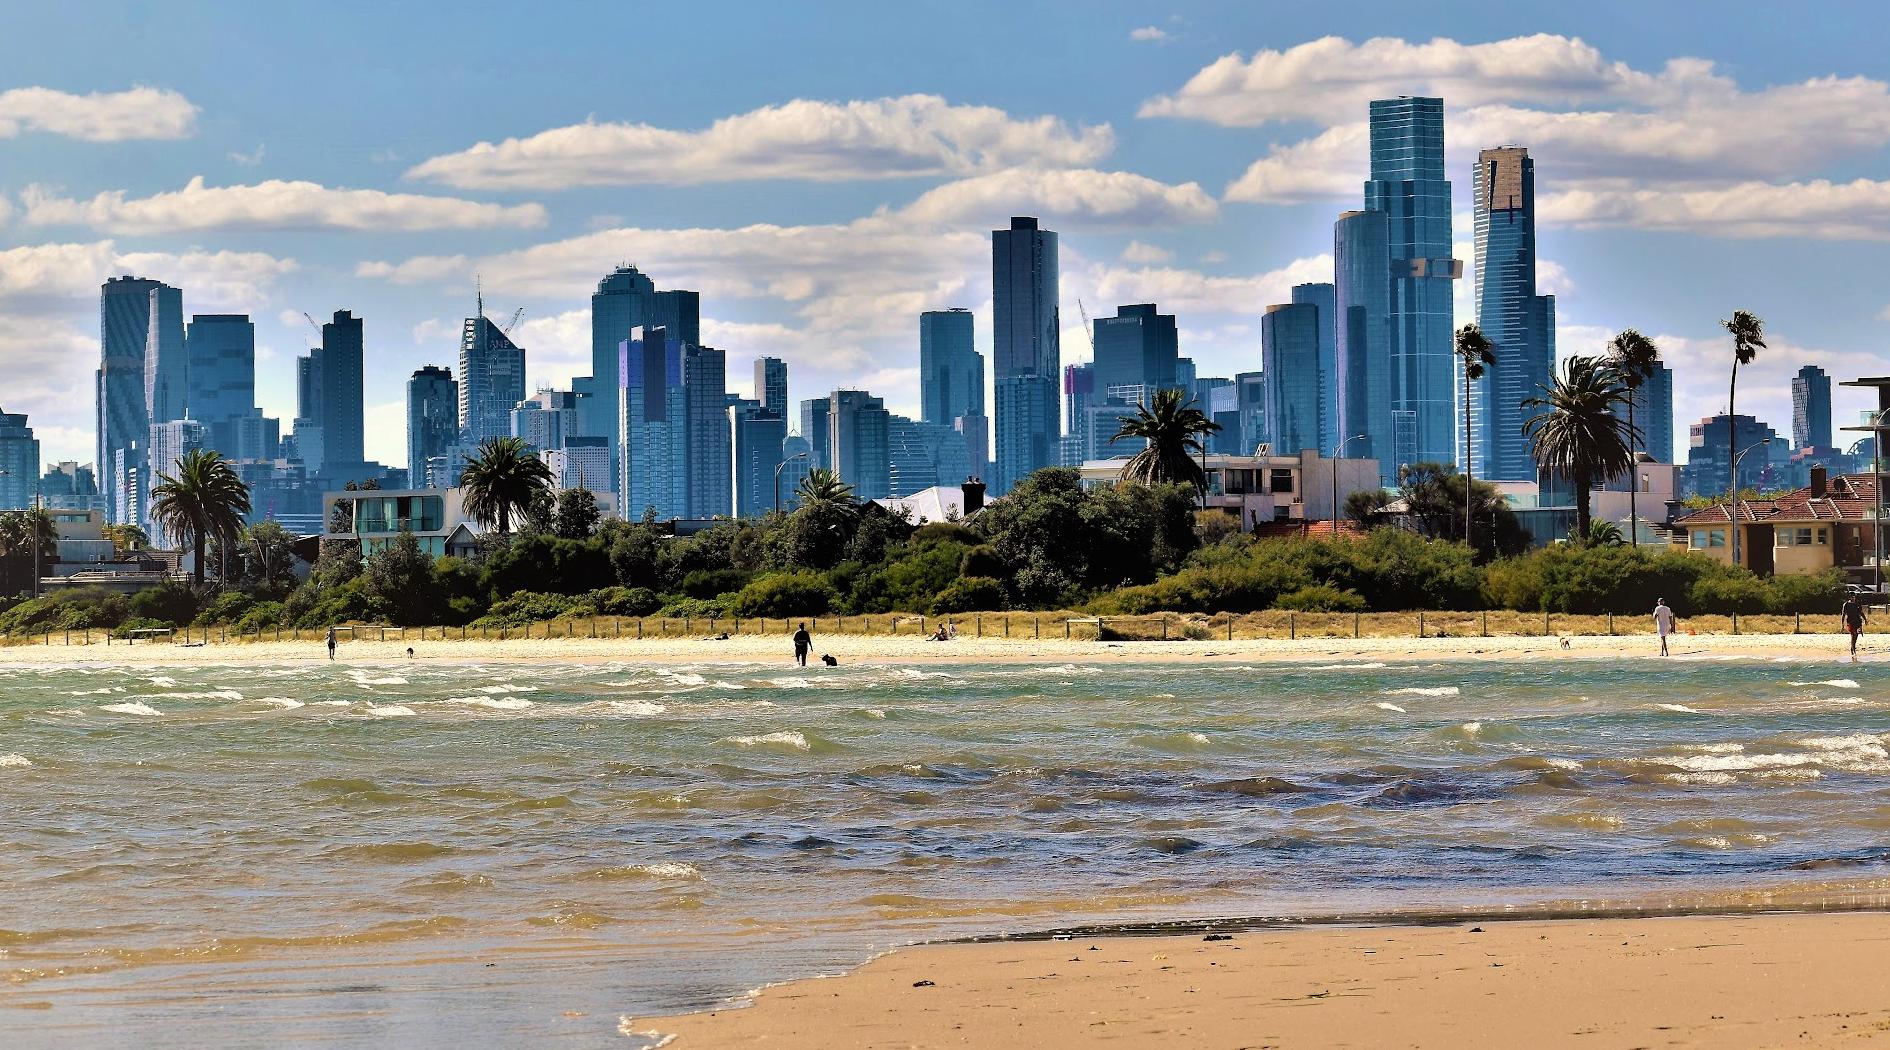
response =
{"points": [[1853, 616], [803, 642], [941, 635], [1663, 623]]}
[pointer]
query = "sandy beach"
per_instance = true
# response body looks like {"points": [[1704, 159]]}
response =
{"points": [[911, 649], [1723, 982]]}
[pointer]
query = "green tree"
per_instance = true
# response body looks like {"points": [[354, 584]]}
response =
{"points": [[1173, 429], [1634, 358], [1475, 353], [1434, 498], [264, 556], [1575, 433], [824, 486], [501, 481], [1748, 337], [202, 498], [578, 515], [17, 528], [401, 575], [126, 538]]}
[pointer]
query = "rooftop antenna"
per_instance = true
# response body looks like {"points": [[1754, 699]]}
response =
{"points": [[479, 297]]}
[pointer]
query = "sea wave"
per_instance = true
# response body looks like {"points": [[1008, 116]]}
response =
{"points": [[284, 702], [783, 739], [494, 703], [389, 710], [1422, 690], [14, 761], [132, 708]]}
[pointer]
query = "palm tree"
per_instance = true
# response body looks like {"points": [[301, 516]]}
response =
{"points": [[1634, 357], [1476, 353], [502, 480], [17, 528], [822, 487], [1173, 429], [1748, 336], [203, 499], [1576, 433]]}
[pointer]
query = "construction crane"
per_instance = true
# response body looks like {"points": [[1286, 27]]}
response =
{"points": [[1089, 330], [318, 328], [516, 314]]}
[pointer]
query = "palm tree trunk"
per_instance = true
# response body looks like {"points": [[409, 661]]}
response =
{"points": [[1634, 479], [197, 570], [1469, 468], [1581, 509], [1732, 459]]}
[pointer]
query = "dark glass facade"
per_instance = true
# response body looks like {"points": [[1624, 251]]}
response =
{"points": [[1322, 296], [1289, 358], [1026, 358], [1511, 315], [1361, 256]]}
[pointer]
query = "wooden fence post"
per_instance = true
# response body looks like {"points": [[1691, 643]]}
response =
{"points": [[1545, 623], [1355, 626], [1486, 623], [1292, 626]]}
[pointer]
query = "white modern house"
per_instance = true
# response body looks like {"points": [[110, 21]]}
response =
{"points": [[376, 517], [1266, 487]]}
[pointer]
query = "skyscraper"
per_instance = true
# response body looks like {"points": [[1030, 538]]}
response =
{"points": [[815, 429], [760, 436], [1137, 347], [1025, 354], [1289, 358], [1250, 406], [1511, 315], [491, 380], [626, 300], [19, 461], [432, 419], [127, 308], [650, 433], [221, 350], [706, 434], [795, 455], [545, 419], [921, 455], [166, 360], [857, 433], [771, 385], [341, 418], [1653, 415], [1361, 262], [1322, 297], [308, 410], [1408, 185], [1811, 408], [951, 381]]}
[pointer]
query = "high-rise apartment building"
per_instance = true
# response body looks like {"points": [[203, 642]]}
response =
{"points": [[1323, 297], [760, 437], [491, 380], [545, 419], [1811, 408], [771, 385], [1250, 406], [133, 313], [651, 458], [1408, 186], [1026, 359], [1707, 453], [1511, 315], [921, 455], [1289, 358], [306, 445], [858, 442], [1361, 262], [432, 419], [1137, 347], [166, 359], [221, 387], [583, 462], [19, 462], [796, 454], [341, 418], [951, 381], [1653, 415], [815, 429], [626, 300], [706, 434]]}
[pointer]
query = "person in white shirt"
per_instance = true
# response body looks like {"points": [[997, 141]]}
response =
{"points": [[1663, 623]]}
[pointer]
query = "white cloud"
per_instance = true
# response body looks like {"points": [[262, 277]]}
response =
{"points": [[1551, 278], [6, 210], [803, 139], [272, 205], [421, 269], [1143, 253], [1857, 210], [251, 159], [1077, 198], [140, 113], [1764, 385], [436, 332], [1183, 291], [1331, 164], [1150, 34]]}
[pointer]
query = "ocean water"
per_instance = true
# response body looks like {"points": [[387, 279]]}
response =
{"points": [[509, 855]]}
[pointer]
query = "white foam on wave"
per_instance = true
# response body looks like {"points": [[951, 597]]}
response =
{"points": [[214, 694], [495, 703], [791, 683], [1707, 779], [14, 761], [874, 712], [1386, 705], [1840, 701], [101, 691], [1568, 764], [684, 677], [1345, 667], [332, 703], [284, 702], [667, 870], [626, 1026], [507, 687], [1682, 708], [1472, 728], [365, 679], [788, 738], [389, 710], [1422, 690], [1841, 683], [639, 708], [132, 708], [163, 681]]}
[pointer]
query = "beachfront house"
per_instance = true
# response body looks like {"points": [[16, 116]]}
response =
{"points": [[1828, 524], [1266, 488], [376, 517]]}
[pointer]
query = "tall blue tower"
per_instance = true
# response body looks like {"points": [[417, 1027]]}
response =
{"points": [[1519, 322]]}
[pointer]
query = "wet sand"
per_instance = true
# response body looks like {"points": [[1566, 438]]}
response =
{"points": [[912, 649], [1721, 982]]}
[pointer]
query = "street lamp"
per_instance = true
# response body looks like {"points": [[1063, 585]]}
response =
{"points": [[1336, 453], [777, 478], [33, 525], [1734, 512]]}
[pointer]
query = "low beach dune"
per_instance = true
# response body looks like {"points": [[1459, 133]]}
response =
{"points": [[1722, 982]]}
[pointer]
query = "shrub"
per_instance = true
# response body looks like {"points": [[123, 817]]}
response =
{"points": [[681, 607], [980, 561], [910, 582], [260, 616], [785, 594], [969, 594], [138, 623], [1321, 597], [624, 601], [1823, 593], [945, 532], [227, 607], [172, 603], [67, 610], [523, 607], [713, 583], [1744, 593]]}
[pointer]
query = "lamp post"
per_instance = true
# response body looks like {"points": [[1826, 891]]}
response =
{"points": [[777, 478], [1336, 453], [32, 524], [1733, 512]]}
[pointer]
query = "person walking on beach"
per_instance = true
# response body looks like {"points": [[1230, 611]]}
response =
{"points": [[1853, 614], [331, 643], [1663, 623], [803, 642]]}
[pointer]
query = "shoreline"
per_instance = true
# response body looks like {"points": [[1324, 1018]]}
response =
{"points": [[1715, 979], [909, 649]]}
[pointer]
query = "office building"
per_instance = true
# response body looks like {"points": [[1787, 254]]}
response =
{"points": [[70, 485], [921, 455], [814, 428], [1026, 360], [1361, 256], [1520, 323], [166, 363], [760, 437], [432, 419], [171, 441], [247, 435], [1408, 187], [1653, 415], [582, 462], [221, 383], [796, 454], [1707, 454], [858, 442], [706, 434], [304, 444], [627, 300], [340, 414], [1220, 399], [650, 453], [491, 380], [1137, 347], [1184, 374], [19, 462], [1322, 297], [1811, 408], [1250, 407], [951, 380], [133, 312], [771, 385], [1289, 359], [545, 419]]}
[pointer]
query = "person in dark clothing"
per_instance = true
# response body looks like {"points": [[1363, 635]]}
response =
{"points": [[1853, 615], [803, 643]]}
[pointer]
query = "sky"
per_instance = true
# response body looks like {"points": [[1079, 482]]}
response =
{"points": [[824, 172]]}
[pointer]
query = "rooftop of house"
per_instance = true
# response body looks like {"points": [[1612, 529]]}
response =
{"points": [[1847, 497]]}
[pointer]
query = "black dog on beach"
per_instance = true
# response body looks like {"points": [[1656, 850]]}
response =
{"points": [[829, 660]]}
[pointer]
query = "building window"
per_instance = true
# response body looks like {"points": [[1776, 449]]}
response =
{"points": [[1715, 537], [1824, 537], [1282, 479]]}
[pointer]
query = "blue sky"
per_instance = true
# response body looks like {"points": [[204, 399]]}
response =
{"points": [[823, 172]]}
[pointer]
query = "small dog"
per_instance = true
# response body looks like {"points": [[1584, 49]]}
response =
{"points": [[829, 660], [1565, 644]]}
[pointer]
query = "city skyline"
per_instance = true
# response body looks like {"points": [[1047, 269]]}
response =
{"points": [[1149, 184]]}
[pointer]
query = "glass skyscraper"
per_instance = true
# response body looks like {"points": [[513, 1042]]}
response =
{"points": [[814, 429], [858, 442], [1408, 186], [650, 432], [1361, 262], [1137, 347], [1026, 358], [432, 419], [922, 455], [706, 454], [625, 300], [341, 418], [19, 461], [760, 436], [221, 349], [1653, 415], [1321, 296], [771, 385], [1511, 315], [951, 381], [491, 380], [133, 313], [1811, 408], [1289, 358]]}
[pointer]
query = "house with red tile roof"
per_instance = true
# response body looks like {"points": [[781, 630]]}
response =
{"points": [[1829, 524]]}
